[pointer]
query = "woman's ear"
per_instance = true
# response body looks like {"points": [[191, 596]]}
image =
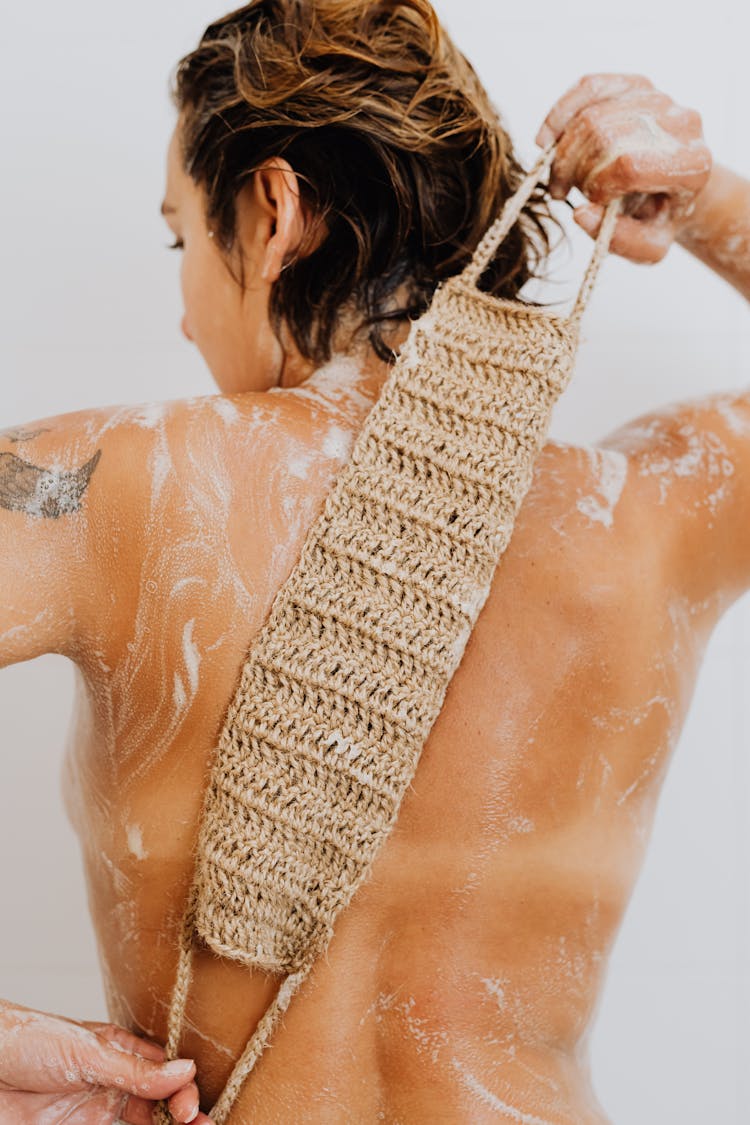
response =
{"points": [[277, 194]]}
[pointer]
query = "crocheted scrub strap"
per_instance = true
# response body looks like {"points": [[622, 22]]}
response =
{"points": [[178, 1002], [494, 236]]}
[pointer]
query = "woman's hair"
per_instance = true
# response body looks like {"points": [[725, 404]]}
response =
{"points": [[402, 160]]}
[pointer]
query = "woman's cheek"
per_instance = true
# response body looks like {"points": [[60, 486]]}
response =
{"points": [[194, 303]]}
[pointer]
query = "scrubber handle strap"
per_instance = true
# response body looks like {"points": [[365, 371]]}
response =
{"points": [[494, 236]]}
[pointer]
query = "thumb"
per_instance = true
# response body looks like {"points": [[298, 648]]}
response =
{"points": [[638, 240], [107, 1064]]}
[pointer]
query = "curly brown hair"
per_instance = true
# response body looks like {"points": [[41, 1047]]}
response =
{"points": [[397, 146]]}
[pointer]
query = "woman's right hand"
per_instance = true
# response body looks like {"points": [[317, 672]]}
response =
{"points": [[616, 135], [54, 1069]]}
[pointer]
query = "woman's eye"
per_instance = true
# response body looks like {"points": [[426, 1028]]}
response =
{"points": [[177, 245]]}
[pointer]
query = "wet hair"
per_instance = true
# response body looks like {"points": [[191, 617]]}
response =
{"points": [[399, 153]]}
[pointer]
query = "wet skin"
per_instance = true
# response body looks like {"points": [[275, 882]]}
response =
{"points": [[462, 981], [464, 976]]}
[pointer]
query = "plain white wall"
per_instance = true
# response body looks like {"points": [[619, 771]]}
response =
{"points": [[89, 315]]}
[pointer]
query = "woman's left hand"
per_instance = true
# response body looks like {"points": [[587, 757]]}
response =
{"points": [[617, 135], [54, 1069]]}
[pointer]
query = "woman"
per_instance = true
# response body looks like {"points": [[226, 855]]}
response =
{"points": [[330, 164]]}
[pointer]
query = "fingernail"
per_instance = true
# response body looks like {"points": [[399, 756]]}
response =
{"points": [[586, 216], [545, 136], [179, 1067], [194, 1114]]}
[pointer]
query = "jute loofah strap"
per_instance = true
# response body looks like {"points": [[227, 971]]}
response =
{"points": [[344, 681]]}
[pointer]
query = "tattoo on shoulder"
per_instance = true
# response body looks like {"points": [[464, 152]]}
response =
{"points": [[49, 493], [23, 435]]}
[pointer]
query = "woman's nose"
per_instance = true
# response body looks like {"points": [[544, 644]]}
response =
{"points": [[186, 330]]}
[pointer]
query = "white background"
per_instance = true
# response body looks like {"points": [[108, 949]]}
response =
{"points": [[89, 315]]}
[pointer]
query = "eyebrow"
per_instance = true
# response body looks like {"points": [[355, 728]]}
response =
{"points": [[166, 209]]}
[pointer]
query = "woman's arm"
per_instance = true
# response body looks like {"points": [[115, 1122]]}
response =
{"points": [[49, 471], [616, 135], [718, 231], [66, 486], [59, 479]]}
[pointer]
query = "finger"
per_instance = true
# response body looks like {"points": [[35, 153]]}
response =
{"points": [[681, 173], [643, 206], [90, 1107], [588, 90], [185, 1105], [623, 146], [134, 1044], [137, 1111], [644, 242], [609, 137], [107, 1065]]}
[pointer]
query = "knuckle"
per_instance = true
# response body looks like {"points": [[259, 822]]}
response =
{"points": [[595, 83], [686, 114], [142, 1072], [623, 166], [680, 112], [658, 246], [590, 117]]}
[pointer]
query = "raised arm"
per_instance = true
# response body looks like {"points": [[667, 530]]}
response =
{"points": [[718, 231], [618, 136]]}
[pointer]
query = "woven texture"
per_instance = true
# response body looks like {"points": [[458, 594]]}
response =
{"points": [[349, 673], [347, 676]]}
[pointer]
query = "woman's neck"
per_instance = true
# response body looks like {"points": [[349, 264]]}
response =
{"points": [[353, 364], [353, 355]]}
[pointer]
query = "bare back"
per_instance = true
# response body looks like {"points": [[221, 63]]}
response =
{"points": [[462, 980]]}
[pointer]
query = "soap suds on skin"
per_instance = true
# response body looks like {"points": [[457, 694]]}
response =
{"points": [[495, 988], [20, 630], [471, 1082], [611, 469], [191, 655], [644, 135], [332, 383], [147, 415], [736, 416], [226, 410], [299, 463], [428, 1041], [135, 841], [338, 443], [705, 455]]}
